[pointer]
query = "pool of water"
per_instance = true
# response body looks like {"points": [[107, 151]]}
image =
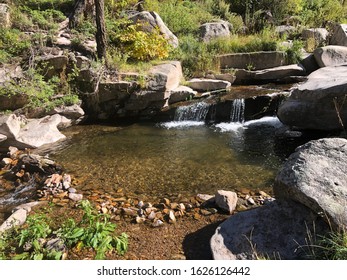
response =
{"points": [[157, 159]]}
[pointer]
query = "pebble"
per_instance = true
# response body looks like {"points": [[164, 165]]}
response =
{"points": [[172, 218], [72, 190], [152, 216], [75, 196], [140, 220], [251, 201], [157, 223]]}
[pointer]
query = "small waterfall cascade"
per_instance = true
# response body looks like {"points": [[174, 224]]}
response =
{"points": [[194, 112], [237, 114]]}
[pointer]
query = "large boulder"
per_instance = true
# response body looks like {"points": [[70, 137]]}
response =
{"points": [[339, 36], [316, 176], [165, 77], [285, 30], [37, 132], [9, 72], [319, 35], [277, 230], [330, 55], [214, 30], [253, 60], [151, 21], [318, 103]]}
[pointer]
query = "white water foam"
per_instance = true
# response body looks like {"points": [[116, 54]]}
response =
{"points": [[269, 121], [239, 127], [181, 124]]}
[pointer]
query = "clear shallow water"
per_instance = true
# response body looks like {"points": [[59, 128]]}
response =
{"points": [[172, 158]]}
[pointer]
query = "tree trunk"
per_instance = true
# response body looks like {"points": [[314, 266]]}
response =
{"points": [[100, 29], [77, 14]]}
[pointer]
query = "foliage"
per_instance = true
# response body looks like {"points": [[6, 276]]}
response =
{"points": [[92, 231], [294, 53], [39, 92], [141, 45], [182, 17], [332, 247], [12, 43], [198, 57]]}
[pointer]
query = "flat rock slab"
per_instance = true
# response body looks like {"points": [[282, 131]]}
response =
{"points": [[316, 176], [277, 230], [208, 84], [182, 93], [252, 60]]}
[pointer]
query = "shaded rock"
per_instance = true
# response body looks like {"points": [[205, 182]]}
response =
{"points": [[165, 77], [52, 65], [13, 102], [56, 244], [18, 218], [316, 176], [151, 21], [252, 60], [208, 84], [311, 105], [309, 63], [2, 137], [5, 16], [181, 93], [214, 30], [10, 125], [226, 200], [278, 230], [339, 36], [320, 35], [330, 55], [115, 91]]}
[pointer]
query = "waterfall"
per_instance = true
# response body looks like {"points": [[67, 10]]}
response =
{"points": [[194, 112], [238, 111]]}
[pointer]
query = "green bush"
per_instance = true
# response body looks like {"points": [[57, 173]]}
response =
{"points": [[12, 43]]}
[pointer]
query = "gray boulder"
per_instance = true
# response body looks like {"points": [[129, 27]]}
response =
{"points": [[253, 60], [339, 36], [330, 55], [320, 35], [214, 30], [277, 230], [151, 21], [165, 77], [38, 132], [318, 102], [316, 176]]}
